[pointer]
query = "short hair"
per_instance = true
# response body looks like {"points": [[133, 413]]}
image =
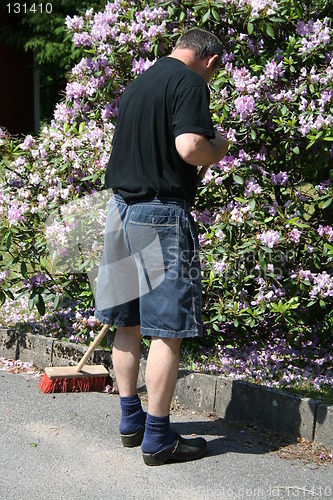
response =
{"points": [[202, 42]]}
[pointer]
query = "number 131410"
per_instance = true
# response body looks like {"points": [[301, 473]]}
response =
{"points": [[23, 8]]}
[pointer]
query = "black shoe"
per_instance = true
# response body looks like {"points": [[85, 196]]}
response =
{"points": [[131, 440], [181, 450]]}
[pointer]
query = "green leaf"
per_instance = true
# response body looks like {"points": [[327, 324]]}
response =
{"points": [[311, 303], [284, 110], [250, 28], [269, 30], [238, 179], [216, 15], [262, 261], [24, 269], [56, 302], [325, 204], [40, 305], [8, 241], [253, 135], [206, 16]]}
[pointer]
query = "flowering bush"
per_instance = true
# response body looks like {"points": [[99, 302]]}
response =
{"points": [[264, 212]]}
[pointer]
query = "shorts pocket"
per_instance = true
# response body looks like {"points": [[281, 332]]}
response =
{"points": [[154, 240]]}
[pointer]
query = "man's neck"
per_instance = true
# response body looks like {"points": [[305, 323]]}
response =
{"points": [[187, 56]]}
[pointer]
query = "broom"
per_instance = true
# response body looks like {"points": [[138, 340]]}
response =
{"points": [[84, 377], [79, 378]]}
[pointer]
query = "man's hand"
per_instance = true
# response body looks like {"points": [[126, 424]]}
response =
{"points": [[196, 149]]}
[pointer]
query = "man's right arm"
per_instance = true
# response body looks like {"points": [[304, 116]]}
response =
{"points": [[197, 150]]}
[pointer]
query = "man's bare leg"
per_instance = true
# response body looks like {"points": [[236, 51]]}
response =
{"points": [[126, 359], [161, 374], [160, 443]]}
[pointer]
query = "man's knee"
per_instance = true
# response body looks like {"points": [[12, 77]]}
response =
{"points": [[171, 343], [129, 330]]}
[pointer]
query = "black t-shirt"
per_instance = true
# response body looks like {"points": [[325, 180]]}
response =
{"points": [[167, 100]]}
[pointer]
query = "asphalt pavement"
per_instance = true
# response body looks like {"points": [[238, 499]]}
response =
{"points": [[67, 446]]}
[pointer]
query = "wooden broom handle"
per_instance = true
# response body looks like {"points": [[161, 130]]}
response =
{"points": [[202, 173], [93, 346]]}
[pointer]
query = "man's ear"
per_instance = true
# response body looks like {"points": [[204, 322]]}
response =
{"points": [[211, 61]]}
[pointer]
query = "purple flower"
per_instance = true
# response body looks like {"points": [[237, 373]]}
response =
{"points": [[83, 39], [324, 186], [28, 143], [305, 274], [35, 281], [251, 186], [15, 212], [92, 322], [280, 178], [274, 71], [219, 266], [314, 33], [206, 217], [75, 90], [244, 81], [245, 106], [269, 238], [294, 236], [323, 286], [3, 275], [326, 231], [141, 65], [74, 23], [202, 240]]}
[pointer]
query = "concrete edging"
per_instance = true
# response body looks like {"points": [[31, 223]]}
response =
{"points": [[233, 400]]}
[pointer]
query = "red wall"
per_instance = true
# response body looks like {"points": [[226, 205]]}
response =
{"points": [[16, 88]]}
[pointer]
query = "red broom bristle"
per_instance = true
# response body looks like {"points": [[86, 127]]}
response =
{"points": [[75, 384]]}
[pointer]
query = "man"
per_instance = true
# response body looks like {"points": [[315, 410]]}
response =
{"points": [[163, 132]]}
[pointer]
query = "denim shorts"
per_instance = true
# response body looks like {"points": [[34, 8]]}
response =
{"points": [[150, 271]]}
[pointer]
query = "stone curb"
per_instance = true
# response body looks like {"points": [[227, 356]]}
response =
{"points": [[234, 400]]}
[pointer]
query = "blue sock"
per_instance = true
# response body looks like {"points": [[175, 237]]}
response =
{"points": [[158, 434], [132, 415]]}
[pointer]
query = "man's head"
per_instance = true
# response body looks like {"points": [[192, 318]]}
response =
{"points": [[205, 48]]}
